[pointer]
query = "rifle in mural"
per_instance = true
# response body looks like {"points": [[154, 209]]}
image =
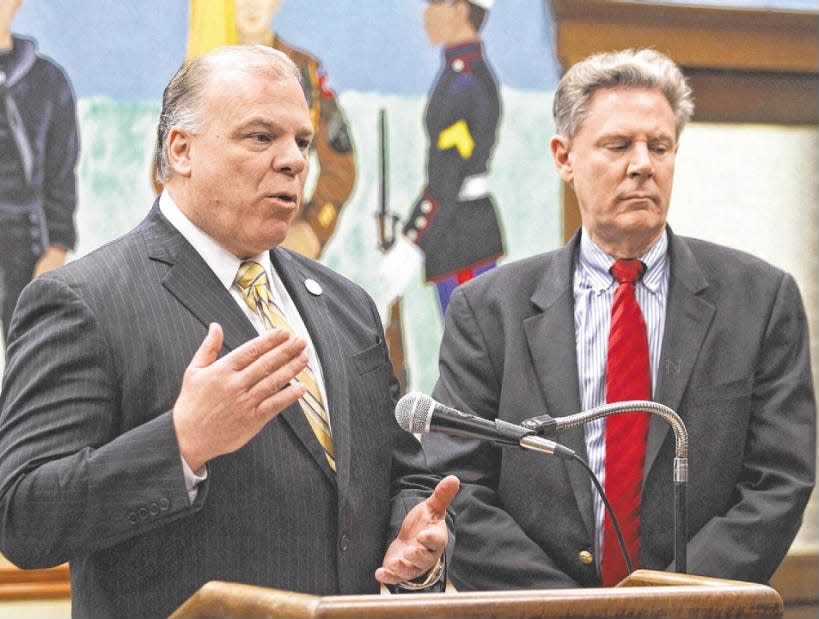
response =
{"points": [[387, 224]]}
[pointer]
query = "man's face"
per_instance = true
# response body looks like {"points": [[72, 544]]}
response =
{"points": [[254, 16], [247, 165], [621, 163]]}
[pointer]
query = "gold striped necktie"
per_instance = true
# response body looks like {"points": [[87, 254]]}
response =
{"points": [[252, 281]]}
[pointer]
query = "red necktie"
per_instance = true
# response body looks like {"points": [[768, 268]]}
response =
{"points": [[628, 377]]}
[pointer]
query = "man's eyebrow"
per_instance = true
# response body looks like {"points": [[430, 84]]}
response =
{"points": [[272, 126], [258, 121]]}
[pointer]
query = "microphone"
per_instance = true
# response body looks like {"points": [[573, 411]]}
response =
{"points": [[418, 413]]}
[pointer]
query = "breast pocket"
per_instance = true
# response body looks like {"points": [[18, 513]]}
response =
{"points": [[370, 359]]}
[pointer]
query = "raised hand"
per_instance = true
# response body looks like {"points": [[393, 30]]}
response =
{"points": [[223, 403]]}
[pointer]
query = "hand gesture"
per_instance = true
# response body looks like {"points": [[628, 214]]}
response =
{"points": [[422, 538], [225, 402]]}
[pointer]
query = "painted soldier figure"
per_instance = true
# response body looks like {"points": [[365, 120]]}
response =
{"points": [[453, 227]]}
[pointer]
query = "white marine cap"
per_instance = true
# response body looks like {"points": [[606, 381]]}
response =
{"points": [[484, 4]]}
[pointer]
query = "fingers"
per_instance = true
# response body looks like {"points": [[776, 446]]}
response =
{"points": [[208, 350], [410, 565], [387, 577], [442, 496], [280, 400], [254, 349], [275, 367]]}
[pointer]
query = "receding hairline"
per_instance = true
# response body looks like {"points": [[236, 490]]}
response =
{"points": [[247, 59]]}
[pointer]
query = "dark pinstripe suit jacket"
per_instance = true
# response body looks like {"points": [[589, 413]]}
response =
{"points": [[735, 365], [90, 470]]}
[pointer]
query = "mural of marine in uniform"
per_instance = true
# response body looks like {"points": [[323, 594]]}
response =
{"points": [[453, 228], [39, 147]]}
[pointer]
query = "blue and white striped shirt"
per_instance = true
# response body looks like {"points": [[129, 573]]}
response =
{"points": [[593, 294]]}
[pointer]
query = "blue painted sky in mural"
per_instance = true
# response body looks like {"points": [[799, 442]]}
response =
{"points": [[128, 50]]}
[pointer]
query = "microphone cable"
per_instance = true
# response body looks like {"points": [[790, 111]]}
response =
{"points": [[615, 523]]}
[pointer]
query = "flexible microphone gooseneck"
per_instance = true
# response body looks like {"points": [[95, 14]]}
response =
{"points": [[545, 425], [418, 413]]}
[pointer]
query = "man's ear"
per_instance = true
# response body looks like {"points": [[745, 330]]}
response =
{"points": [[179, 151], [559, 146]]}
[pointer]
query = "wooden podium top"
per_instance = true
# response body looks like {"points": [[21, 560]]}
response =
{"points": [[49, 583], [646, 593]]}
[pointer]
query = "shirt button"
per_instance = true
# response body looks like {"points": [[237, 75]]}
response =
{"points": [[586, 558], [344, 542]]}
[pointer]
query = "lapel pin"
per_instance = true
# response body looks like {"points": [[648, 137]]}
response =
{"points": [[312, 287]]}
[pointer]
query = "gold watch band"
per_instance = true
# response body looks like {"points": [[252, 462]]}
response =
{"points": [[425, 580]]}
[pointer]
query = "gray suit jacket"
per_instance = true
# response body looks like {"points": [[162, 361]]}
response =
{"points": [[734, 365], [90, 470]]}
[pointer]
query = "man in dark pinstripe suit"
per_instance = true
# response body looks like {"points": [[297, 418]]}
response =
{"points": [[150, 431]]}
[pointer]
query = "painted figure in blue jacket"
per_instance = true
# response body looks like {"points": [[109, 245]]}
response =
{"points": [[453, 228], [39, 146]]}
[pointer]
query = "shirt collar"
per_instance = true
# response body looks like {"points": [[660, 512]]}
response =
{"points": [[223, 263], [594, 264]]}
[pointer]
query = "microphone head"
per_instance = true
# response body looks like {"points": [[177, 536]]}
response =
{"points": [[414, 411]]}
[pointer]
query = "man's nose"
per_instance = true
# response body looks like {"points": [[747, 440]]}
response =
{"points": [[291, 160], [640, 164]]}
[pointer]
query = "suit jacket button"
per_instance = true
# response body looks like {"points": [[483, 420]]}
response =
{"points": [[132, 518], [586, 558], [164, 504], [143, 513], [344, 542]]}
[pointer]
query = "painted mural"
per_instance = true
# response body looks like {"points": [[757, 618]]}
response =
{"points": [[408, 127], [394, 117]]}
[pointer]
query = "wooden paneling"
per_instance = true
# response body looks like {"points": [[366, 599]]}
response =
{"points": [[704, 37]]}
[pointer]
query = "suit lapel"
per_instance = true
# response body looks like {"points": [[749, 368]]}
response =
{"points": [[192, 281], [551, 341], [316, 315], [688, 317]]}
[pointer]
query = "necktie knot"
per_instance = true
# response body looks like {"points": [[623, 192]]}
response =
{"points": [[627, 271], [250, 275]]}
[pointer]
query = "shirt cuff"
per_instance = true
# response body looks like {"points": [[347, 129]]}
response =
{"points": [[192, 480]]}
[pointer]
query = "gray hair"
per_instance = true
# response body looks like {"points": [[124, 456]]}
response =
{"points": [[182, 100], [644, 68]]}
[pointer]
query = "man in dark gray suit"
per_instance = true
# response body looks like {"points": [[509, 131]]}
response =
{"points": [[157, 433], [727, 349]]}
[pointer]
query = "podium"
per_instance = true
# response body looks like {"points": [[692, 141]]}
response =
{"points": [[645, 593]]}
